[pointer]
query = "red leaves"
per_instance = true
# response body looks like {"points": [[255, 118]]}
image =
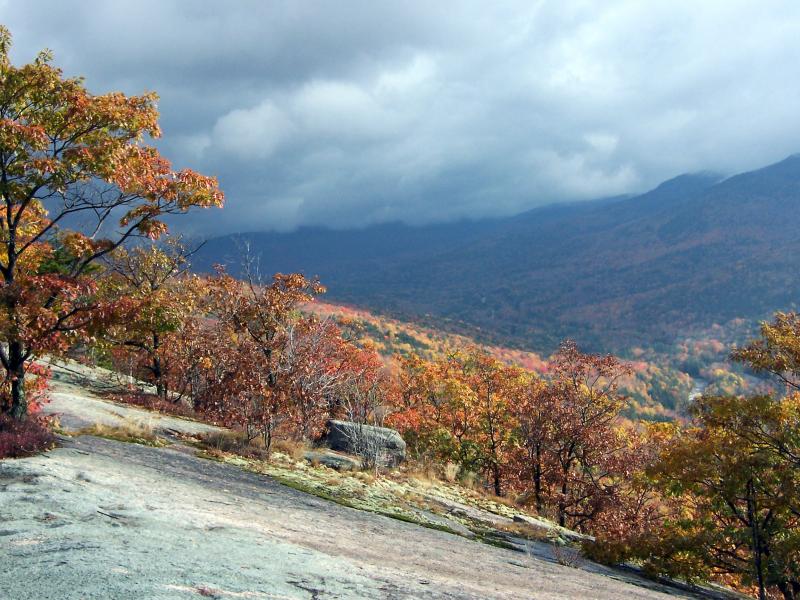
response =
{"points": [[258, 364], [70, 156], [556, 440], [24, 438]]}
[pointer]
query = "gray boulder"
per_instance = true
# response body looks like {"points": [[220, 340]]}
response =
{"points": [[333, 460], [376, 446]]}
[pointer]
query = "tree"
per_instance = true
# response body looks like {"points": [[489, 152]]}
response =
{"points": [[494, 386], [262, 313], [740, 493], [66, 157], [251, 358], [364, 391], [314, 368], [583, 403], [459, 408], [534, 412], [635, 510], [777, 352], [161, 297]]}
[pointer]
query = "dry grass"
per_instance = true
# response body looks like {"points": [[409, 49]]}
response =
{"points": [[451, 471], [504, 500], [232, 442], [422, 473], [129, 431], [293, 448], [153, 403], [236, 442], [469, 480], [567, 556], [364, 476], [528, 532]]}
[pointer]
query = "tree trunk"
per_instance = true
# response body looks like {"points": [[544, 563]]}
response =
{"points": [[787, 591], [752, 515], [158, 373], [16, 371], [562, 501], [268, 439], [498, 490], [537, 479]]}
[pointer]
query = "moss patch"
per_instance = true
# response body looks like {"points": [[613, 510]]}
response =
{"points": [[398, 495]]}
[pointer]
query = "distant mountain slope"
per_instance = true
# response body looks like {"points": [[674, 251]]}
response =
{"points": [[611, 273]]}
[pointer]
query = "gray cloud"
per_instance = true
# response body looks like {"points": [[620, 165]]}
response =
{"points": [[361, 112]]}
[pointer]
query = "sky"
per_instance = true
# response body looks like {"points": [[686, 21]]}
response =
{"points": [[347, 113]]}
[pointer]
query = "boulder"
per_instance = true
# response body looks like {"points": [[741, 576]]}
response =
{"points": [[333, 461], [379, 446]]}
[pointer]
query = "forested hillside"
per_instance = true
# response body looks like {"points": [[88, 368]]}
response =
{"points": [[659, 386], [614, 274]]}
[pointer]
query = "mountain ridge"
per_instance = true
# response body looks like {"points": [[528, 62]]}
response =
{"points": [[696, 250]]}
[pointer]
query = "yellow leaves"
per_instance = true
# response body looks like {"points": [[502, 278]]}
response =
{"points": [[78, 244], [152, 229], [778, 350], [15, 133]]}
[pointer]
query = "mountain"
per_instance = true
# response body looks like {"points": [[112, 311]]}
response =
{"points": [[613, 273]]}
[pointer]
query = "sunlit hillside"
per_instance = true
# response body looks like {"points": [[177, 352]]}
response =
{"points": [[663, 382]]}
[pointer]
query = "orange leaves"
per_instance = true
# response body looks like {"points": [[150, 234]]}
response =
{"points": [[78, 244], [556, 439], [194, 189], [16, 133], [83, 155], [152, 229], [143, 172], [257, 363], [459, 409]]}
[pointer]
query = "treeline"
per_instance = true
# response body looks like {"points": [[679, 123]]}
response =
{"points": [[714, 497], [659, 386]]}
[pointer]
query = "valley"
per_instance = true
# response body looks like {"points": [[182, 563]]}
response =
{"points": [[697, 252]]}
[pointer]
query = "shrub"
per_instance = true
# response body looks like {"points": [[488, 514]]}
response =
{"points": [[295, 449], [154, 403], [24, 438], [451, 471], [233, 442]]}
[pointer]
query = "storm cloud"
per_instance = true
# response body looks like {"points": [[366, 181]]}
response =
{"points": [[351, 113]]}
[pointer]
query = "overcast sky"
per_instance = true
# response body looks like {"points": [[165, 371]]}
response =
{"points": [[348, 113]]}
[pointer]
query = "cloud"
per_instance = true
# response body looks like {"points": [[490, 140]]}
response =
{"points": [[344, 115], [251, 133]]}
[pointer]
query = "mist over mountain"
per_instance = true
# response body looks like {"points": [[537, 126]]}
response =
{"points": [[613, 273]]}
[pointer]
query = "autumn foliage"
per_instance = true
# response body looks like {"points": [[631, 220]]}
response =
{"points": [[241, 353], [725, 487], [557, 440], [68, 156]]}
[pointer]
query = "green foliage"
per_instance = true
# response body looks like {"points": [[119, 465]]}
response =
{"points": [[735, 471]]}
